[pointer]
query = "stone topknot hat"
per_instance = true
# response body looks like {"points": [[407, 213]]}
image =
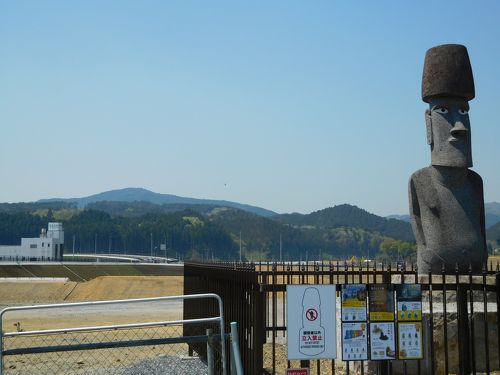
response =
{"points": [[447, 72]]}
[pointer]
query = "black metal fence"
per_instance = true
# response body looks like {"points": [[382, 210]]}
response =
{"points": [[461, 313], [243, 302]]}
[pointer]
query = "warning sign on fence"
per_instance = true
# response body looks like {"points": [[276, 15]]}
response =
{"points": [[311, 322], [297, 371]]}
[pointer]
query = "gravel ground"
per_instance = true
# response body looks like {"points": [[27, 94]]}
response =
{"points": [[168, 365]]}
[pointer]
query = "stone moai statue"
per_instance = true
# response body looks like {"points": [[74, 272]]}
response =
{"points": [[446, 198]]}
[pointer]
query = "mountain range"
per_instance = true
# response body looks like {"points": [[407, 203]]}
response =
{"points": [[129, 219], [173, 203], [144, 195]]}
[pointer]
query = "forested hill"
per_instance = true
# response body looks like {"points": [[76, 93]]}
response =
{"points": [[493, 233], [261, 239], [346, 215], [144, 195]]}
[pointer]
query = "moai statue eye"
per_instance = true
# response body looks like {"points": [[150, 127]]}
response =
{"points": [[442, 110], [463, 111]]}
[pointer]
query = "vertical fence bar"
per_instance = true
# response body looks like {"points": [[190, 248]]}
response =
{"points": [[383, 367], [497, 289], [431, 322], [210, 353], [235, 350], [1, 344], [472, 335], [462, 326], [274, 317], [336, 286], [485, 312], [414, 269], [360, 281], [402, 281], [445, 319]]}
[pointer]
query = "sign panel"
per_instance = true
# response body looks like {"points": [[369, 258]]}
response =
{"points": [[354, 341], [409, 297], [381, 302], [311, 318], [382, 341], [353, 302], [410, 340], [297, 371]]}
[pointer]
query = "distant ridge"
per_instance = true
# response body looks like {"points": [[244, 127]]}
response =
{"points": [[140, 194], [346, 215]]}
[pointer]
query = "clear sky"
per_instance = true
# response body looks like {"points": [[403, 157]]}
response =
{"points": [[293, 106]]}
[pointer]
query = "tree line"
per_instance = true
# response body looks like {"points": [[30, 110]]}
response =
{"points": [[210, 234]]}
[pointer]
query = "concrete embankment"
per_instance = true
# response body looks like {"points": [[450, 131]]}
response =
{"points": [[75, 271]]}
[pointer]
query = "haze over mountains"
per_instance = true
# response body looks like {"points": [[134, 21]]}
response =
{"points": [[176, 203], [144, 195]]}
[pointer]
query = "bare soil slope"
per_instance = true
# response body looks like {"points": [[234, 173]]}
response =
{"points": [[123, 287], [34, 292], [100, 288]]}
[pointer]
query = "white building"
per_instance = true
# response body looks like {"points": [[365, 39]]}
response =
{"points": [[49, 246]]}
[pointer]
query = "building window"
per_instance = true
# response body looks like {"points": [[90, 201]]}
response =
{"points": [[33, 246], [43, 244]]}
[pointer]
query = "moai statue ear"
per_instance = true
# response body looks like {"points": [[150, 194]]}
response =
{"points": [[428, 125]]}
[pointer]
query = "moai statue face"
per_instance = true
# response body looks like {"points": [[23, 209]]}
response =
{"points": [[448, 86], [448, 132]]}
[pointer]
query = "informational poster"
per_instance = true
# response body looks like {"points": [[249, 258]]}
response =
{"points": [[311, 318], [410, 340], [382, 341], [409, 302], [354, 341], [381, 302], [353, 302]]}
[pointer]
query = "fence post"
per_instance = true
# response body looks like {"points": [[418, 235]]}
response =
{"points": [[463, 331], [260, 329], [210, 352], [236, 364], [1, 343]]}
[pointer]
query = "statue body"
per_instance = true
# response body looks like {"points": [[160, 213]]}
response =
{"points": [[447, 211], [446, 198]]}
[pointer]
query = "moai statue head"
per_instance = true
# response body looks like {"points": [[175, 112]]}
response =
{"points": [[448, 86]]}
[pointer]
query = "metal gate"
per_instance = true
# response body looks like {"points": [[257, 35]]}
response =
{"points": [[139, 347]]}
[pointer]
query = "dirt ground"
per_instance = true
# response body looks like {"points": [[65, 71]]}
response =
{"points": [[20, 293], [100, 288]]}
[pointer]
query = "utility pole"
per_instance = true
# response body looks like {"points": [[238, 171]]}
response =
{"points": [[109, 246], [240, 246], [73, 245], [151, 244], [95, 244], [281, 249]]}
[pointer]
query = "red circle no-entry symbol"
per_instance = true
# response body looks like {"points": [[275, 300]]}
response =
{"points": [[311, 315]]}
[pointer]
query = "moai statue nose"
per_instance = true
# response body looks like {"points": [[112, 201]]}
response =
{"points": [[459, 130]]}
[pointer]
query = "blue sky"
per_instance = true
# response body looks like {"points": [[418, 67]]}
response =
{"points": [[290, 105]]}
